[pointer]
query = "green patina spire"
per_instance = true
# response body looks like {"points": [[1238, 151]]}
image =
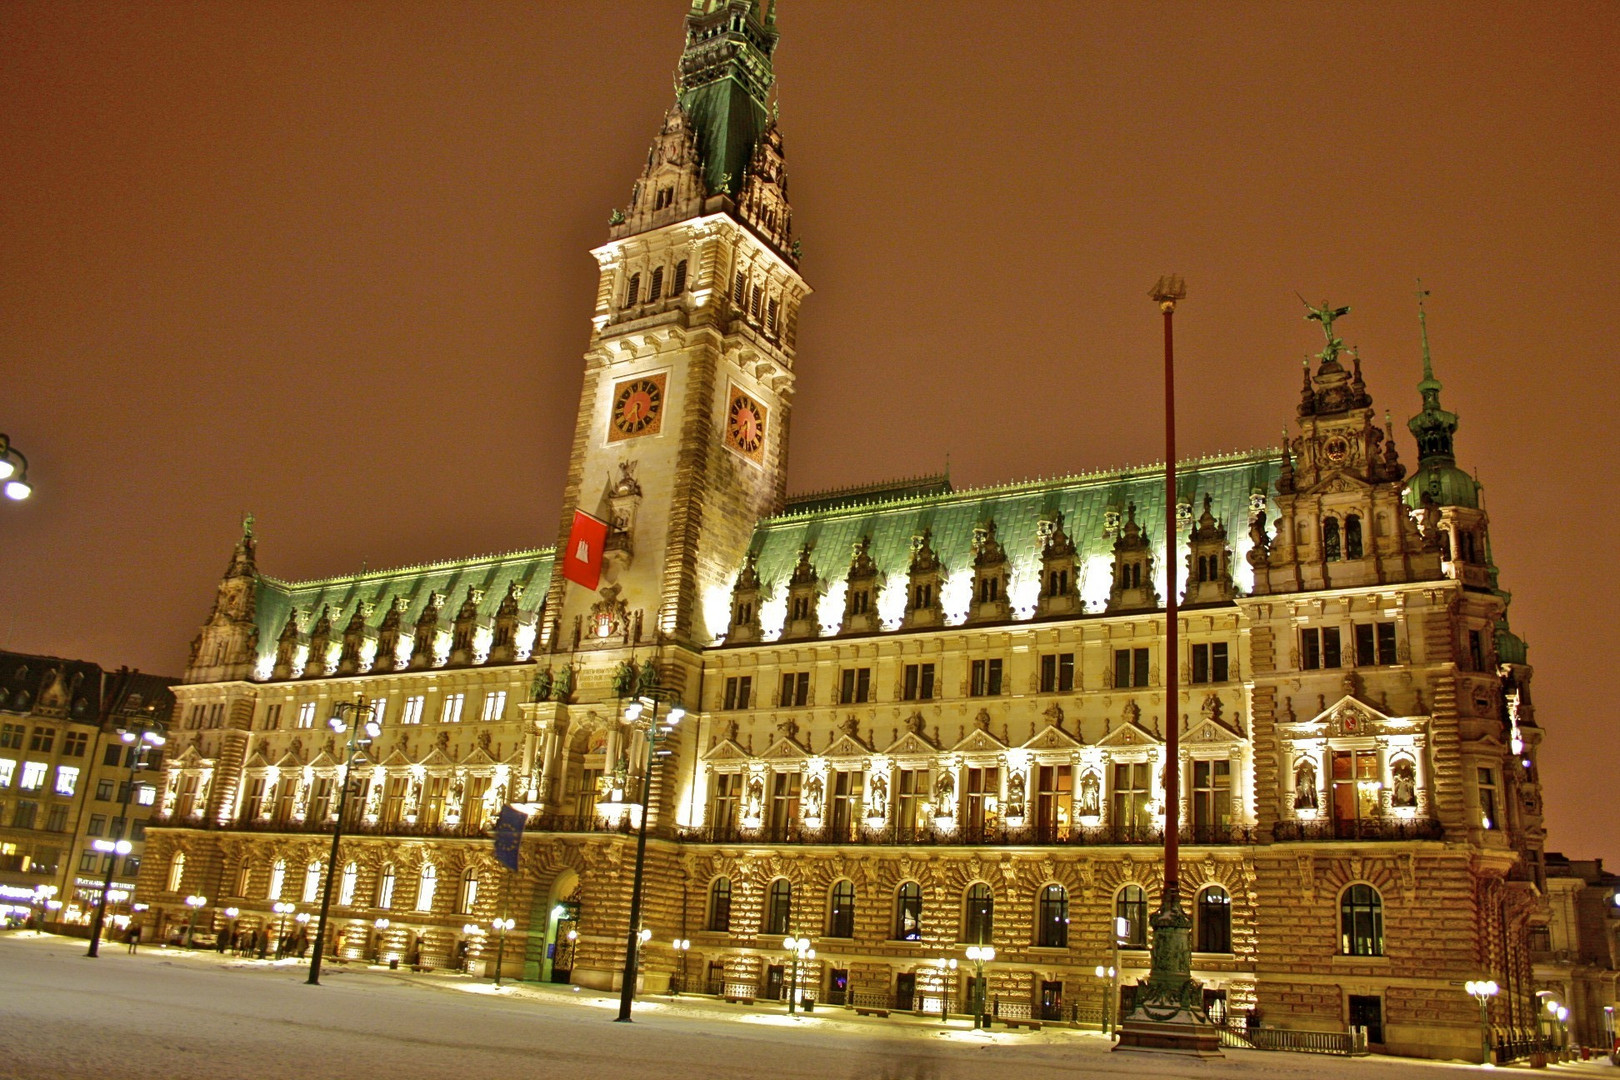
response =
{"points": [[724, 84], [1434, 428]]}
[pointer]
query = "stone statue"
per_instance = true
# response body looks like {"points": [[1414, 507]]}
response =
{"points": [[1305, 785], [563, 689], [541, 690], [1090, 795], [1015, 795], [1404, 791], [878, 803]]}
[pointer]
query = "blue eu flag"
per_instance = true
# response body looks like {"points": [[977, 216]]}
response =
{"points": [[509, 836]]}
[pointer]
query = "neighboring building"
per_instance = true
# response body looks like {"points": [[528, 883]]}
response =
{"points": [[1577, 952], [63, 779], [921, 717]]}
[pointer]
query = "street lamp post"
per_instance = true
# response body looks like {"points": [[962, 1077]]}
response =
{"points": [[142, 734], [681, 946], [364, 729], [195, 903], [282, 909], [470, 933], [980, 955], [14, 471], [1482, 991], [1109, 972], [230, 926], [501, 927], [379, 925], [798, 948], [648, 699], [947, 980]]}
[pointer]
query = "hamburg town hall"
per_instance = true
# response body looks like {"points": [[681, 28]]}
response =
{"points": [[917, 718]]}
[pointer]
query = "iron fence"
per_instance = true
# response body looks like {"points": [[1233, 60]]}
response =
{"points": [[1359, 829], [1238, 1033]]}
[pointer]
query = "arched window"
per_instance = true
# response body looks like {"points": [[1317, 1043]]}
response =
{"points": [[1214, 916], [469, 893], [841, 911], [278, 877], [351, 876], [1131, 905], [978, 913], [908, 912], [1361, 922], [680, 279], [720, 905], [655, 289], [426, 883], [1052, 919], [244, 875], [632, 291], [1330, 539], [1352, 537], [385, 888], [778, 907], [312, 882], [177, 871]]}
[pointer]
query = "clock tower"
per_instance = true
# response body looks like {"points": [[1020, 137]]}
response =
{"points": [[681, 438]]}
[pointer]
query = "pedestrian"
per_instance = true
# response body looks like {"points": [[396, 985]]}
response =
{"points": [[133, 937], [303, 942], [222, 941]]}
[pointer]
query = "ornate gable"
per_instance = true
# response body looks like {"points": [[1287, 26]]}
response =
{"points": [[1051, 738], [846, 746], [1130, 733], [785, 749], [981, 742], [725, 750], [911, 744], [1207, 732]]}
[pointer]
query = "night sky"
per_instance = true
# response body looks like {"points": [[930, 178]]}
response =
{"points": [[328, 263]]}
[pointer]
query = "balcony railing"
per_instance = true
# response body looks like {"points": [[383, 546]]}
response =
{"points": [[931, 836], [1358, 829]]}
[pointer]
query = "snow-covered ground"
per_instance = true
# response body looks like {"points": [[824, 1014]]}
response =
{"points": [[175, 1015]]}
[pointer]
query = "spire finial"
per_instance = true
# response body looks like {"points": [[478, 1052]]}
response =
{"points": [[1423, 330], [247, 524]]}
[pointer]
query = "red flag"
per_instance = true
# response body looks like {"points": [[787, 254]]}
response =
{"points": [[582, 558]]}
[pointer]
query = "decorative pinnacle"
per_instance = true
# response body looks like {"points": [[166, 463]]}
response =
{"points": [[1169, 289], [1423, 328], [247, 523]]}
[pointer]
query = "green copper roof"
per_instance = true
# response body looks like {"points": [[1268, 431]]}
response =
{"points": [[1085, 501], [1435, 429], [725, 84], [491, 573]]}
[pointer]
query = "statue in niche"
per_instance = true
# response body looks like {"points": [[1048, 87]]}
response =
{"points": [[878, 800], [1305, 785], [1132, 713], [982, 721], [945, 794], [812, 797], [1212, 707], [756, 797], [1015, 795], [1404, 788], [1090, 795], [1054, 715], [914, 723]]}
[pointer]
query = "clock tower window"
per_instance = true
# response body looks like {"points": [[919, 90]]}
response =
{"points": [[1352, 537], [632, 290], [655, 288], [1330, 539], [680, 279]]}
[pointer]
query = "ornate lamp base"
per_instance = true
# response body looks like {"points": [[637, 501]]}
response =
{"points": [[1169, 1012]]}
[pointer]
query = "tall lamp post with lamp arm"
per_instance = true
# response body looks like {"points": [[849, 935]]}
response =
{"points": [[14, 473], [646, 703], [141, 735], [1482, 991], [362, 727]]}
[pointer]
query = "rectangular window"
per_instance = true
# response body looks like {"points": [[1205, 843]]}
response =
{"points": [[272, 717], [379, 709], [494, 705], [137, 830], [1212, 796], [8, 769], [1131, 795], [1200, 663], [739, 688], [784, 802], [1057, 673], [919, 682], [56, 820], [75, 744], [11, 736], [1386, 643], [111, 755], [855, 686], [1487, 798], [846, 803], [982, 791], [146, 795], [1209, 662], [1476, 651], [216, 715], [725, 803], [67, 779], [1131, 667], [306, 715], [97, 826], [194, 717], [911, 796], [24, 818], [795, 688], [87, 862], [33, 775], [42, 740], [450, 710], [1319, 648], [984, 678], [104, 790], [413, 710], [1366, 651], [253, 805], [116, 829]]}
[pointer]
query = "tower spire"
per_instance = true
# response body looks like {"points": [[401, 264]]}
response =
{"points": [[1437, 475], [725, 83]]}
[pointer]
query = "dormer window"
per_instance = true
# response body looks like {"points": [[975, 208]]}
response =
{"points": [[860, 601], [989, 590], [664, 198]]}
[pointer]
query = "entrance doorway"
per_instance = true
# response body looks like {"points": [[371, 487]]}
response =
{"points": [[905, 991], [1368, 1011], [1051, 1001], [837, 986], [774, 986]]}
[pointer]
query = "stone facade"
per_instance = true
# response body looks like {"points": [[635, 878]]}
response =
{"points": [[918, 718]]}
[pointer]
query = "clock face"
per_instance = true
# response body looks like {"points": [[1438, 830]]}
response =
{"points": [[1336, 450], [638, 407], [745, 426]]}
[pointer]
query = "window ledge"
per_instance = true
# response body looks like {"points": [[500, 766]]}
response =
{"points": [[1379, 961]]}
